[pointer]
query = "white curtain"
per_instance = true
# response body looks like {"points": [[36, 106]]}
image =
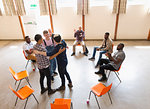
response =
{"points": [[44, 7], [9, 8], [53, 7], [20, 7], [80, 6], [0, 12], [123, 5]]}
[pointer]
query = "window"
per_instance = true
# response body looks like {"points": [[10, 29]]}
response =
{"points": [[101, 2], [1, 6], [66, 3]]}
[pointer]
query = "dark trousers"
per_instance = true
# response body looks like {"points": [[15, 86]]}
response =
{"points": [[104, 65], [45, 72], [62, 73]]}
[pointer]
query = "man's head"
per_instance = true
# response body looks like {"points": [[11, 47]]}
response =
{"points": [[57, 38], [46, 34], [27, 39], [38, 38], [106, 35], [120, 46], [80, 28]]}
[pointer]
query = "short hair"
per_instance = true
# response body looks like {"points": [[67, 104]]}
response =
{"points": [[45, 32], [122, 45], [37, 37], [107, 33], [57, 38], [26, 37]]}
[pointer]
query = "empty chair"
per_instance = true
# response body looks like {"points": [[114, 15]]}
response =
{"points": [[99, 90], [24, 93], [61, 103], [19, 76]]}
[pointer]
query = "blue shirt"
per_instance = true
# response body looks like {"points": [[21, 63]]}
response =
{"points": [[62, 60]]}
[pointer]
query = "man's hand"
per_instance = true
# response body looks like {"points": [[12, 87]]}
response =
{"points": [[35, 51], [97, 49], [61, 50]]}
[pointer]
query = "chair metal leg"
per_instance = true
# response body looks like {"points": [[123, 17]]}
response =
{"points": [[108, 75], [109, 97], [35, 98], [27, 64], [18, 85], [26, 103], [118, 77], [15, 82], [97, 101], [16, 101], [28, 81], [90, 94], [71, 105]]}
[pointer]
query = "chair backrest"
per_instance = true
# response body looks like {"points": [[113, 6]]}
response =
{"points": [[106, 89], [14, 92], [24, 54], [12, 71], [59, 106]]}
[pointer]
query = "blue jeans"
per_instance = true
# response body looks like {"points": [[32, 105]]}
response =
{"points": [[53, 61], [100, 56]]}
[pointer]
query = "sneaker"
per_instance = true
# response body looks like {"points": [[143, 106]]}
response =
{"points": [[55, 73], [73, 54], [70, 85], [44, 90], [103, 79], [60, 88], [92, 58], [85, 54], [98, 72], [51, 91]]}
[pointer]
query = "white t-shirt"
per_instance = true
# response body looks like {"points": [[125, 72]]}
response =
{"points": [[27, 46]]}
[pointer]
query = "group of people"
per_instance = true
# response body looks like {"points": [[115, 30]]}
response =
{"points": [[51, 49], [45, 52]]}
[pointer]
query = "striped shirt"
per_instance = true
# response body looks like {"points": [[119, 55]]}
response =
{"points": [[42, 61]]}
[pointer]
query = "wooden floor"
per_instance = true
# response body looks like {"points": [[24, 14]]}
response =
{"points": [[132, 93]]}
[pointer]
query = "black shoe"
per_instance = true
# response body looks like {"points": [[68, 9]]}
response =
{"points": [[44, 90], [73, 54], [103, 79], [60, 88], [92, 58], [85, 54], [55, 73], [70, 85], [98, 72], [51, 91]]}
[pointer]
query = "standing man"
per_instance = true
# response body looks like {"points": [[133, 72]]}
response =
{"points": [[113, 63], [105, 48], [80, 36]]}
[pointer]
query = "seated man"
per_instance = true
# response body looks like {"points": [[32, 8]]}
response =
{"points": [[105, 48], [28, 50], [113, 63], [79, 35]]}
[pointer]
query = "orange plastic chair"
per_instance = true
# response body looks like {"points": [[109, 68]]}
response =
{"points": [[19, 76], [28, 61], [24, 93], [61, 103], [99, 90], [116, 73]]}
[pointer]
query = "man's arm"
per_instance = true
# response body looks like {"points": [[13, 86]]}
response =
{"points": [[29, 51], [112, 59]]}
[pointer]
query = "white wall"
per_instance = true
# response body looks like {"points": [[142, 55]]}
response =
{"points": [[66, 21], [10, 28], [98, 21], [134, 24]]}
